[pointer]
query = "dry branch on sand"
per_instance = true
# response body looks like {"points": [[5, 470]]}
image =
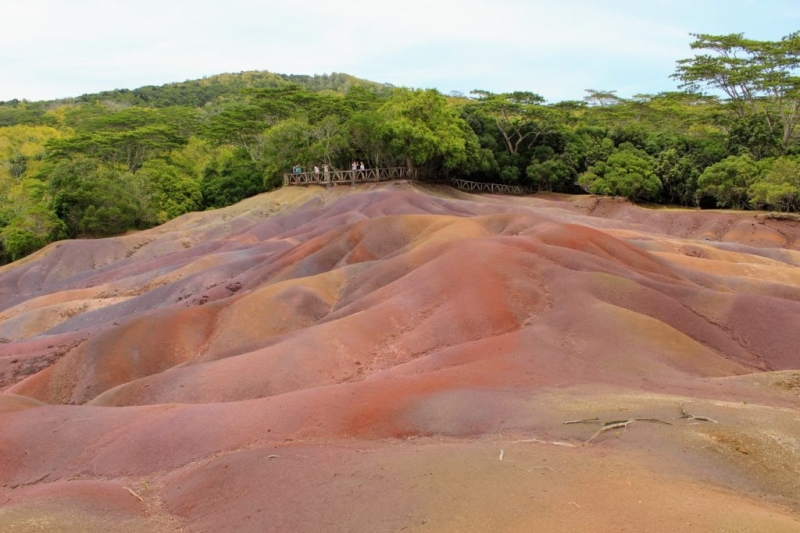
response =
{"points": [[583, 421], [134, 494], [622, 424], [688, 416]]}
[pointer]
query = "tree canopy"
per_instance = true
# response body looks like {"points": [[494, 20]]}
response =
{"points": [[759, 78], [106, 163]]}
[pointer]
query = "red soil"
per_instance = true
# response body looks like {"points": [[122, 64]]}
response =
{"points": [[403, 358]]}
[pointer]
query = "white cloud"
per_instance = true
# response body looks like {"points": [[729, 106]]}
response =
{"points": [[50, 46]]}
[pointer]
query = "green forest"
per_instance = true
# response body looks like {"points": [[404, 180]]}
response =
{"points": [[107, 163]]}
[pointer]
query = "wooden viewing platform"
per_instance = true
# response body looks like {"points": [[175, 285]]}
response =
{"points": [[334, 177], [337, 177]]}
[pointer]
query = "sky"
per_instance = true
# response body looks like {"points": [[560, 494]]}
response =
{"points": [[62, 48]]}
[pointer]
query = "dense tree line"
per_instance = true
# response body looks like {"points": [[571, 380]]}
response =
{"points": [[121, 160]]}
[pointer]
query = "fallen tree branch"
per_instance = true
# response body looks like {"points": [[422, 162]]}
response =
{"points": [[656, 420], [617, 424], [623, 424], [584, 421], [540, 441], [133, 493], [685, 415]]}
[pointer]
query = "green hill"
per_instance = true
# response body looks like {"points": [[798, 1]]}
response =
{"points": [[189, 93]]}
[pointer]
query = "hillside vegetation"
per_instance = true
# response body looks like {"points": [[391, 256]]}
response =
{"points": [[103, 164]]}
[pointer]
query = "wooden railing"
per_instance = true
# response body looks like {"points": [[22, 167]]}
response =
{"points": [[334, 177], [474, 186]]}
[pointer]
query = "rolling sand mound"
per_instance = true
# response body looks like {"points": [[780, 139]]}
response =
{"points": [[401, 357]]}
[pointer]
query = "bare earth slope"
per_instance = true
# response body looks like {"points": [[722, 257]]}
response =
{"points": [[406, 358]]}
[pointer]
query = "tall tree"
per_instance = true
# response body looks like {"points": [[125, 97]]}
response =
{"points": [[602, 98], [422, 130], [243, 123], [519, 116], [758, 77]]}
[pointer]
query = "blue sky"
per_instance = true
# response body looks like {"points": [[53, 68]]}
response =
{"points": [[60, 48]]}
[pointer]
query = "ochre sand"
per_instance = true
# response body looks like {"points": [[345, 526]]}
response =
{"points": [[401, 357]]}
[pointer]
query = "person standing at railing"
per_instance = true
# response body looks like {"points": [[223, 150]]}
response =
{"points": [[361, 166], [326, 173], [316, 172]]}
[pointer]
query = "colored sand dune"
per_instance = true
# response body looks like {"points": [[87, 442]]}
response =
{"points": [[398, 357]]}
